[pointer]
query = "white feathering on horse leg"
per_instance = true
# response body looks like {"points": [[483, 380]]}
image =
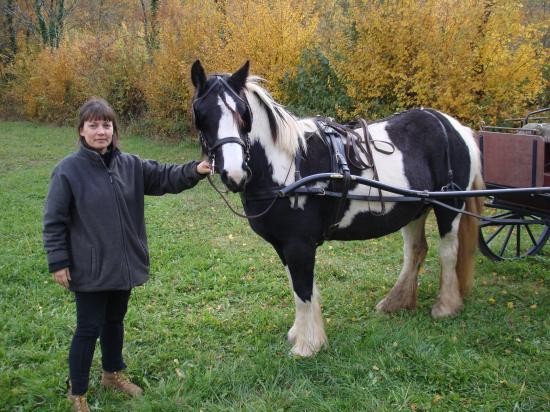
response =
{"points": [[449, 301], [307, 334]]}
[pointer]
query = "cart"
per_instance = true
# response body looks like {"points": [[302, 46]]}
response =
{"points": [[514, 157]]}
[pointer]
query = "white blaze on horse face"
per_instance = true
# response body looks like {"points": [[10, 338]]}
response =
{"points": [[391, 171], [232, 152]]}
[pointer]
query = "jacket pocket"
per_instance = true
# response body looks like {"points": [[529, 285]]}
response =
{"points": [[84, 268]]}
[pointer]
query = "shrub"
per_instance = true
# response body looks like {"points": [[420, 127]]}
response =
{"points": [[472, 58], [315, 88]]}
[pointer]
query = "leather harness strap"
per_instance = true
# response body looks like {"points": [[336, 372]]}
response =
{"points": [[333, 136]]}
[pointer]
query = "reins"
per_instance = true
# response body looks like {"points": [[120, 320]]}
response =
{"points": [[236, 213]]}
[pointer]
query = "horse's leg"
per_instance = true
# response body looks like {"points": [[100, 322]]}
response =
{"points": [[449, 300], [307, 334], [415, 247]]}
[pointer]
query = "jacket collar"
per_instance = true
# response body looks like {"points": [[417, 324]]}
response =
{"points": [[93, 155]]}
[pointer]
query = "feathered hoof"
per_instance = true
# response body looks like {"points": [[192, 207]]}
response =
{"points": [[441, 310], [305, 345], [388, 305], [304, 349]]}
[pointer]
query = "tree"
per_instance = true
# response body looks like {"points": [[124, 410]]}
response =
{"points": [[475, 59], [150, 25]]}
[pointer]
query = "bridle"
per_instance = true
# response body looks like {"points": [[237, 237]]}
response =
{"points": [[243, 141]]}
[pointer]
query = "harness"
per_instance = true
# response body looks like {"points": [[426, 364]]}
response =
{"points": [[344, 145]]}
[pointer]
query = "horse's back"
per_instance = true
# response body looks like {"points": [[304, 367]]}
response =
{"points": [[429, 150]]}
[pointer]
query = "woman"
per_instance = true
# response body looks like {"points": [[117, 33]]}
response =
{"points": [[94, 236]]}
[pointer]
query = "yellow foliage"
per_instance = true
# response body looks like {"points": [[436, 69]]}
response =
{"points": [[471, 58], [188, 30], [223, 35], [475, 59], [50, 84], [272, 35]]}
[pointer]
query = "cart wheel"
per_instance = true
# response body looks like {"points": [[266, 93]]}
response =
{"points": [[500, 241]]}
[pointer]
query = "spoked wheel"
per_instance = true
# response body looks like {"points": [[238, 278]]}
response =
{"points": [[500, 241]]}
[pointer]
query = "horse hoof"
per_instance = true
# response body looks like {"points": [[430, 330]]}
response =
{"points": [[382, 307], [389, 306], [305, 350], [440, 310]]}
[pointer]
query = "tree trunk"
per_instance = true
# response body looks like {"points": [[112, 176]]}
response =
{"points": [[10, 13]]}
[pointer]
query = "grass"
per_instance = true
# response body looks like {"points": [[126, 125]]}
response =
{"points": [[207, 332]]}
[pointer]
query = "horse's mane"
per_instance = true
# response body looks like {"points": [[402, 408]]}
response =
{"points": [[287, 132]]}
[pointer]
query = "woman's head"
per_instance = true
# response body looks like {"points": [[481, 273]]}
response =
{"points": [[97, 127]]}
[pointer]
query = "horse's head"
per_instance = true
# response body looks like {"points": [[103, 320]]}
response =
{"points": [[223, 118]]}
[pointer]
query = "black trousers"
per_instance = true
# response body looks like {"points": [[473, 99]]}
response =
{"points": [[98, 314]]}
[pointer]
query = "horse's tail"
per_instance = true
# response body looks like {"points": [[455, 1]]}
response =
{"points": [[468, 233]]}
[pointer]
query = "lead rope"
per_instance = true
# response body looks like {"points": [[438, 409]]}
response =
{"points": [[242, 214], [231, 207]]}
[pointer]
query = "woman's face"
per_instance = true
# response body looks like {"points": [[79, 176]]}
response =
{"points": [[98, 134]]}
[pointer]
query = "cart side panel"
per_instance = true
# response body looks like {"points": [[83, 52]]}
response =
{"points": [[512, 160]]}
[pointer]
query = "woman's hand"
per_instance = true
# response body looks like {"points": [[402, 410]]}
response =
{"points": [[203, 168], [62, 277]]}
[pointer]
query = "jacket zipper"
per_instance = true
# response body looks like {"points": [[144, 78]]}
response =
{"points": [[120, 222]]}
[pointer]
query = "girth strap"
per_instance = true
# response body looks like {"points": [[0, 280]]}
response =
{"points": [[339, 153]]}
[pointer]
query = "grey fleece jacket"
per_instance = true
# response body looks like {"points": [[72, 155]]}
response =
{"points": [[94, 218]]}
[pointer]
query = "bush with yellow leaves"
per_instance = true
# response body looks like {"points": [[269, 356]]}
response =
{"points": [[50, 84], [46, 84], [223, 35], [472, 58], [187, 31]]}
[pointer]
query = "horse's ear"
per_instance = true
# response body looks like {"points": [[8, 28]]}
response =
{"points": [[198, 77], [238, 79]]}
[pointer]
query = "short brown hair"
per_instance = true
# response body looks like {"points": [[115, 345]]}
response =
{"points": [[96, 108]]}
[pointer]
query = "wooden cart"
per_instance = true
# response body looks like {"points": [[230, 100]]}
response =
{"points": [[516, 157]]}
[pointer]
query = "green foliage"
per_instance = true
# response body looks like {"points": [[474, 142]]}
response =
{"points": [[315, 87], [207, 332]]}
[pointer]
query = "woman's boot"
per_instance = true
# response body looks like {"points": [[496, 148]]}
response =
{"points": [[119, 382], [79, 403]]}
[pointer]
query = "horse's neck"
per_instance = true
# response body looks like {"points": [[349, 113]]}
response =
{"points": [[268, 155], [270, 162], [272, 165]]}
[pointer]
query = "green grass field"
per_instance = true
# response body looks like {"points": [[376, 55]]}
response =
{"points": [[207, 332]]}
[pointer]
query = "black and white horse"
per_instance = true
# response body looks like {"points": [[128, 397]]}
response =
{"points": [[254, 141]]}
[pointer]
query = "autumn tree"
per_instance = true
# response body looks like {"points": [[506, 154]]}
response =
{"points": [[472, 58], [271, 34]]}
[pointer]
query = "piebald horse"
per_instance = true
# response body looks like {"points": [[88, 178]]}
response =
{"points": [[253, 142]]}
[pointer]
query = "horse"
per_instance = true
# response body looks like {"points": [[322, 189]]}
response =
{"points": [[253, 143]]}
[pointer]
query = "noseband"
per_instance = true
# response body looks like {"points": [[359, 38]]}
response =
{"points": [[243, 142]]}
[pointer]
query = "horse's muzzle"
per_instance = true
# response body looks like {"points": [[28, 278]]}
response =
{"points": [[233, 182]]}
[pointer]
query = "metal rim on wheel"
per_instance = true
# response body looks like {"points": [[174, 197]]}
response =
{"points": [[512, 241]]}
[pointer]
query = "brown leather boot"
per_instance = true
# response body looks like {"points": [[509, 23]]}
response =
{"points": [[118, 381], [79, 403]]}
